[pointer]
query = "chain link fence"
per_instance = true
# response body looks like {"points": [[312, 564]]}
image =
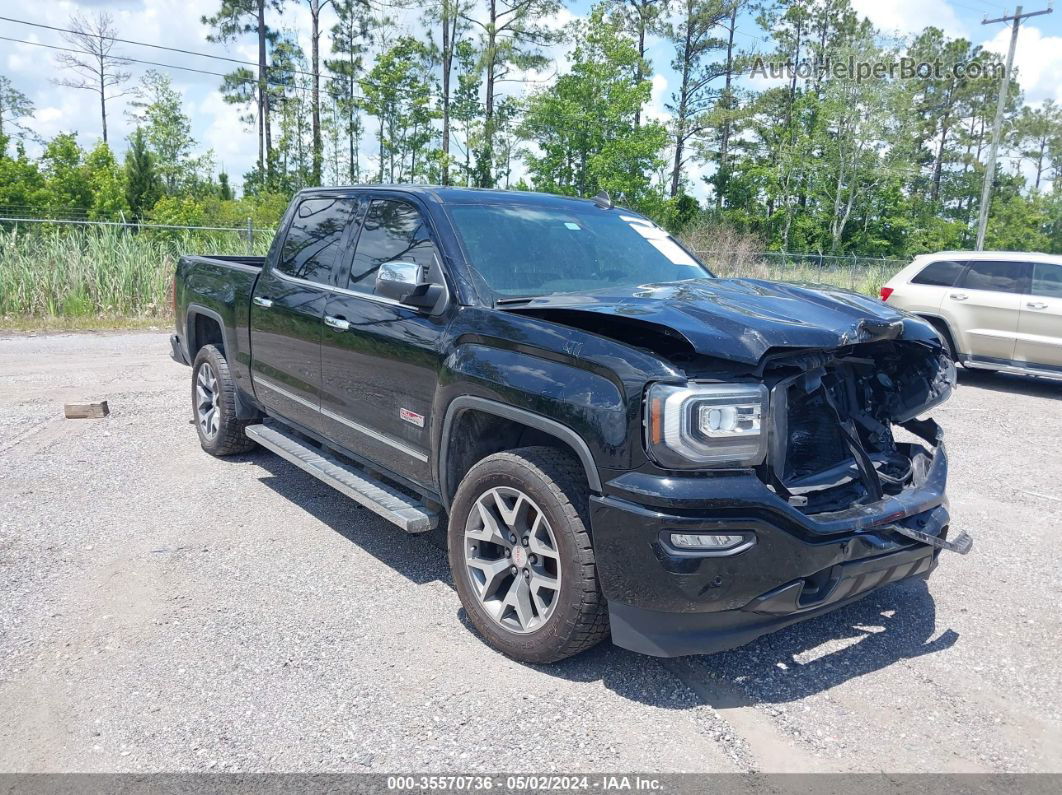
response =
{"points": [[862, 274], [11, 217]]}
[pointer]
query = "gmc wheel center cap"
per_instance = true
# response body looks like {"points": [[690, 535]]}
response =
{"points": [[519, 556]]}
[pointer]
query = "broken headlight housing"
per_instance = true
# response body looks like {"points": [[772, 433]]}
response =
{"points": [[698, 425]]}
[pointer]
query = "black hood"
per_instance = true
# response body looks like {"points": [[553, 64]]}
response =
{"points": [[741, 319]]}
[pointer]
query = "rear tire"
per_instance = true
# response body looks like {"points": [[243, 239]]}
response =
{"points": [[552, 606], [214, 405]]}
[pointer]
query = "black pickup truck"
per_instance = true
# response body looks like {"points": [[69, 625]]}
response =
{"points": [[612, 440]]}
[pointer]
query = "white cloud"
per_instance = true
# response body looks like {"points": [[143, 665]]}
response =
{"points": [[910, 16], [1037, 58], [233, 143], [654, 109]]}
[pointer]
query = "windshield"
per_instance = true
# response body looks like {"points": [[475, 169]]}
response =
{"points": [[529, 251]]}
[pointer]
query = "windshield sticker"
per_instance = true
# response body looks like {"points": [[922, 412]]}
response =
{"points": [[570, 225], [674, 252], [660, 240]]}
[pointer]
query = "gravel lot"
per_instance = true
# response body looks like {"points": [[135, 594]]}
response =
{"points": [[163, 610]]}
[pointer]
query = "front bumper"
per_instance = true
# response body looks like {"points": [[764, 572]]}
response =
{"points": [[666, 603]]}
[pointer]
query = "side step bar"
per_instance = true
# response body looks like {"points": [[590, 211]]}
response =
{"points": [[391, 504], [1012, 369]]}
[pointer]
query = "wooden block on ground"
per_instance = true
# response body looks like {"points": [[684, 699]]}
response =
{"points": [[82, 411]]}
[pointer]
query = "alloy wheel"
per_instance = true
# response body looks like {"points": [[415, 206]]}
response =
{"points": [[206, 401], [512, 560]]}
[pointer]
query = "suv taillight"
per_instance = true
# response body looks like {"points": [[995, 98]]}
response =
{"points": [[885, 293]]}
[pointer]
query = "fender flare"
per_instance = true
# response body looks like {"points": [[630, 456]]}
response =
{"points": [[246, 405], [537, 421], [199, 309]]}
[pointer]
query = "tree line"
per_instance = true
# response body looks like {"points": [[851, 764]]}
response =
{"points": [[811, 161]]}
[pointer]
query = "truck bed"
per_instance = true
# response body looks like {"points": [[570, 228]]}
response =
{"points": [[218, 288]]}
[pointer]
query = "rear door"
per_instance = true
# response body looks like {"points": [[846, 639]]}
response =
{"points": [[927, 288], [1040, 322], [380, 359], [983, 307], [287, 309]]}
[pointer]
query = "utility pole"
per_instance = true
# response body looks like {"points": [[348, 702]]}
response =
{"points": [[1001, 104]]}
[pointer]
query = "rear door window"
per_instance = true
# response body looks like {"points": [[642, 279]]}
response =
{"points": [[314, 238], [999, 276], [1047, 280], [941, 273]]}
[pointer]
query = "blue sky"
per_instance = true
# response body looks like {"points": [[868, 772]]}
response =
{"points": [[175, 23]]}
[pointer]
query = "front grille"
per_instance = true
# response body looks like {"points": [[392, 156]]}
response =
{"points": [[814, 440]]}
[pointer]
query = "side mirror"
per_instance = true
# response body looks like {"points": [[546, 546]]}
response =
{"points": [[404, 282]]}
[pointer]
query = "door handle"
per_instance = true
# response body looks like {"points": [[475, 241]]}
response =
{"points": [[265, 303], [1036, 305], [959, 296], [336, 323]]}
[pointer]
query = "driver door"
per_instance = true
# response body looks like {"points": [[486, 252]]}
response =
{"points": [[380, 359]]}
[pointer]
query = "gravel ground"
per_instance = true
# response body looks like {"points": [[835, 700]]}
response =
{"points": [[164, 610]]}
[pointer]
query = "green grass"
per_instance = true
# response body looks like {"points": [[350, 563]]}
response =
{"points": [[79, 278], [63, 279]]}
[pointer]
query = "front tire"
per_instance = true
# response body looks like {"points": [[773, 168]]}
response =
{"points": [[214, 405], [520, 552]]}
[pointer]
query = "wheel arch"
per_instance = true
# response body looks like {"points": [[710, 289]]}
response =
{"points": [[943, 327], [507, 427], [204, 326]]}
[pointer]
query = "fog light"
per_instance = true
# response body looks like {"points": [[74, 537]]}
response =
{"points": [[709, 542]]}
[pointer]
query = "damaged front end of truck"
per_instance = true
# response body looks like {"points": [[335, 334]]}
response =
{"points": [[791, 467], [834, 434], [832, 418], [806, 387]]}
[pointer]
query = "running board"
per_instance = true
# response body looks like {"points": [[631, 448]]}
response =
{"points": [[391, 504], [1011, 369]]}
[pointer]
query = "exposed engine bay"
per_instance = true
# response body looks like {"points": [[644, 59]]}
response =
{"points": [[841, 372], [832, 417]]}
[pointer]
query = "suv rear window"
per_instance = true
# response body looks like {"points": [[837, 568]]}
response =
{"points": [[941, 273], [998, 276]]}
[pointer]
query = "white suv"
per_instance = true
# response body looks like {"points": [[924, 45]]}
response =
{"points": [[998, 310]]}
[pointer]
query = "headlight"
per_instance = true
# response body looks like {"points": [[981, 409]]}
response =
{"points": [[700, 425]]}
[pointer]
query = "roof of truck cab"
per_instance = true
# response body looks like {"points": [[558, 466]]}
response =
{"points": [[452, 195]]}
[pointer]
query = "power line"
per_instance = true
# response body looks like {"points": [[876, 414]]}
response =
{"points": [[131, 41], [765, 37], [181, 51], [249, 80]]}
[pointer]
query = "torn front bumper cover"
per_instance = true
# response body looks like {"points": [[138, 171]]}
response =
{"points": [[962, 543], [662, 634], [800, 566]]}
